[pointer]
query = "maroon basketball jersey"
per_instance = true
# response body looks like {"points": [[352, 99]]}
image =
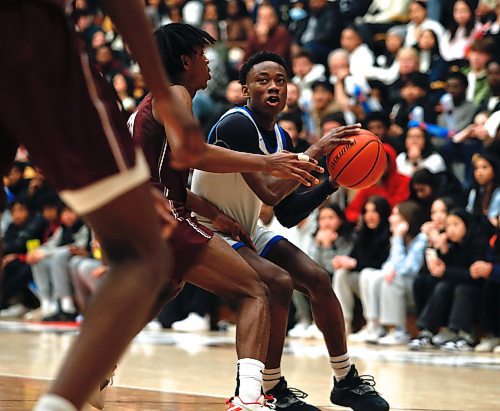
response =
{"points": [[150, 134]]}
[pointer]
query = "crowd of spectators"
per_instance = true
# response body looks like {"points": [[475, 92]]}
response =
{"points": [[422, 75]]}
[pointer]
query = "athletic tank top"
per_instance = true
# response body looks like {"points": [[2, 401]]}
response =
{"points": [[150, 134]]}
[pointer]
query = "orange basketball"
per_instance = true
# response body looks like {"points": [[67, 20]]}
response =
{"points": [[360, 164]]}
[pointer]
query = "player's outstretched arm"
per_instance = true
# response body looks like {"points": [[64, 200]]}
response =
{"points": [[132, 23], [271, 191]]}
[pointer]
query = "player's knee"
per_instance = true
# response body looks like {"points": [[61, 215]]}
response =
{"points": [[318, 282], [280, 286]]}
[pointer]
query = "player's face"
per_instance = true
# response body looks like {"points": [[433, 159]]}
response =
{"points": [[266, 87], [199, 70]]}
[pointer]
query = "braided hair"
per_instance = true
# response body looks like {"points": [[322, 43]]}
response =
{"points": [[178, 39]]}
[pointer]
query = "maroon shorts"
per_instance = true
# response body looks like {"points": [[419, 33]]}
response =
{"points": [[52, 102], [188, 239]]}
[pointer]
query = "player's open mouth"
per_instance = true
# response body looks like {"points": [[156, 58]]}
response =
{"points": [[273, 101]]}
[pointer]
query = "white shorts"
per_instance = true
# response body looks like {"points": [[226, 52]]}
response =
{"points": [[262, 238]]}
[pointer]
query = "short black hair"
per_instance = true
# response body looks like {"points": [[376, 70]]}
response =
{"points": [[458, 75], [381, 116], [179, 39], [416, 79], [257, 58], [324, 84], [294, 117], [337, 116], [304, 53]]}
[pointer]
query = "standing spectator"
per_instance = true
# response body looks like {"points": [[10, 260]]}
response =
{"points": [[393, 186], [370, 250], [268, 35], [419, 153]]}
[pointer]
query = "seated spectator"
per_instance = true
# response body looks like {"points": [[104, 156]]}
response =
{"points": [[413, 104], [491, 103], [292, 124], [361, 58], [479, 55], [319, 31], [353, 93], [378, 122], [418, 20], [323, 103], [15, 185], [434, 230], [419, 153], [425, 187], [333, 237], [457, 113], [386, 292], [39, 191], [393, 186], [381, 15], [87, 272], [269, 35], [431, 62], [107, 63], [122, 88], [370, 250], [305, 74], [293, 97], [463, 245], [394, 40], [458, 32], [489, 271], [49, 264], [484, 197], [26, 229]]}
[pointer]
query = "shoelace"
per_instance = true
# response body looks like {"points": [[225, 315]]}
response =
{"points": [[368, 382], [270, 402], [296, 392]]}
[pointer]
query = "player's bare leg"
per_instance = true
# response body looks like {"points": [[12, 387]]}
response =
{"points": [[350, 390], [222, 271], [140, 262]]}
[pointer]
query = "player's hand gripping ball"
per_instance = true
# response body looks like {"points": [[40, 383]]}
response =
{"points": [[360, 164]]}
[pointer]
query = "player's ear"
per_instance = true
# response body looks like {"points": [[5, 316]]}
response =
{"points": [[244, 88], [185, 62]]}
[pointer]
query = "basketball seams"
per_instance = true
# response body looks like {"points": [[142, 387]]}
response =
{"points": [[360, 150], [371, 169]]}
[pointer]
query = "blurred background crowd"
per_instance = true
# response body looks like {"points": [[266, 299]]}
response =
{"points": [[414, 259]]}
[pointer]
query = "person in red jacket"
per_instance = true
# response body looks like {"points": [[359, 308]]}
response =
{"points": [[393, 186]]}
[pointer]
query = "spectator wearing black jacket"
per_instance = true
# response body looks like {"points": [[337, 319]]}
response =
{"points": [[26, 229]]}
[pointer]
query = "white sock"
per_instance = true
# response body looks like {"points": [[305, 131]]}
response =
{"points": [[271, 378], [249, 379], [341, 366], [67, 305], [46, 306], [52, 402]]}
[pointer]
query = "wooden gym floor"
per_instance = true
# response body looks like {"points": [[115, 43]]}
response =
{"points": [[187, 372]]}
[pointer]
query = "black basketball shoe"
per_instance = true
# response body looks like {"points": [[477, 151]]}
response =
{"points": [[289, 398], [356, 391]]}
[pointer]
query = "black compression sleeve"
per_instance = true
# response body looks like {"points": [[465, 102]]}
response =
{"points": [[297, 206]]}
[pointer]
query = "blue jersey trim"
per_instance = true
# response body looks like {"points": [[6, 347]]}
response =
{"points": [[238, 245], [270, 245]]}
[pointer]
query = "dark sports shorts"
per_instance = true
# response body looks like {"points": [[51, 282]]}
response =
{"points": [[61, 110], [188, 239]]}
